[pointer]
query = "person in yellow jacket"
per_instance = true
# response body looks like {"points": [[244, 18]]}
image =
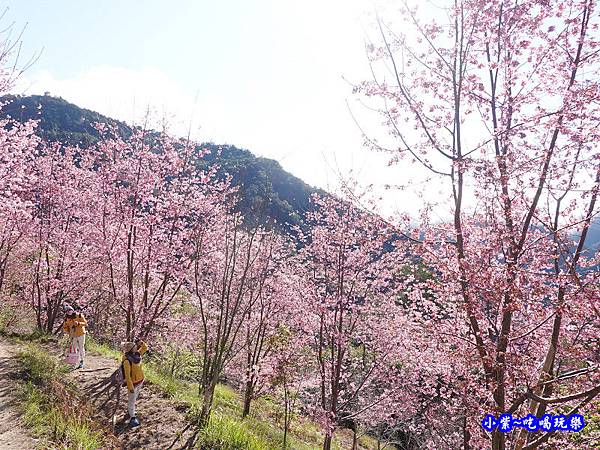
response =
{"points": [[134, 375], [75, 325]]}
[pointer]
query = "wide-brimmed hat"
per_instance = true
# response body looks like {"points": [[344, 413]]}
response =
{"points": [[127, 346]]}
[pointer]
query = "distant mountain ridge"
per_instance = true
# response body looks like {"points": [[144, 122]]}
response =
{"points": [[267, 191]]}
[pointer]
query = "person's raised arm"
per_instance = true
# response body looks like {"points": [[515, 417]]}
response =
{"points": [[142, 347]]}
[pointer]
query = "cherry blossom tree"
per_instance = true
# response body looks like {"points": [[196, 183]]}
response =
{"points": [[151, 194], [18, 145], [61, 263], [500, 102], [265, 330], [231, 268], [292, 374], [352, 314]]}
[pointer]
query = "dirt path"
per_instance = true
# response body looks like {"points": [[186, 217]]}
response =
{"points": [[161, 421], [13, 434]]}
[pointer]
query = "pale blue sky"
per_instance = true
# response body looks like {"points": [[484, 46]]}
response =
{"points": [[266, 75]]}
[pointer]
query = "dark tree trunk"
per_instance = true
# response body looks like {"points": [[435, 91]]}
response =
{"points": [[208, 395], [248, 393]]}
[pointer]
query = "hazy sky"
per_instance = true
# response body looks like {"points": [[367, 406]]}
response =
{"points": [[271, 76]]}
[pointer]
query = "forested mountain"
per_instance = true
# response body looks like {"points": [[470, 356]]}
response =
{"points": [[267, 192]]}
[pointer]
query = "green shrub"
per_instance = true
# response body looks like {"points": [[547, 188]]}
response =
{"points": [[169, 385], [38, 336], [223, 433], [180, 363], [44, 416], [39, 367], [94, 345]]}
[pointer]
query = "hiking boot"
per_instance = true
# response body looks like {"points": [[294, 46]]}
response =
{"points": [[80, 366], [134, 422]]}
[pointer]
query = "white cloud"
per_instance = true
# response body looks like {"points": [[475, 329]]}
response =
{"points": [[117, 92]]}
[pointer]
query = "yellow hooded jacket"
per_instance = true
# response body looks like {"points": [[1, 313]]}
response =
{"points": [[76, 326], [133, 372]]}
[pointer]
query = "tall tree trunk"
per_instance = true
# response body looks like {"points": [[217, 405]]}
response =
{"points": [[248, 393], [327, 442], [208, 395], [286, 414], [2, 273], [466, 434]]}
